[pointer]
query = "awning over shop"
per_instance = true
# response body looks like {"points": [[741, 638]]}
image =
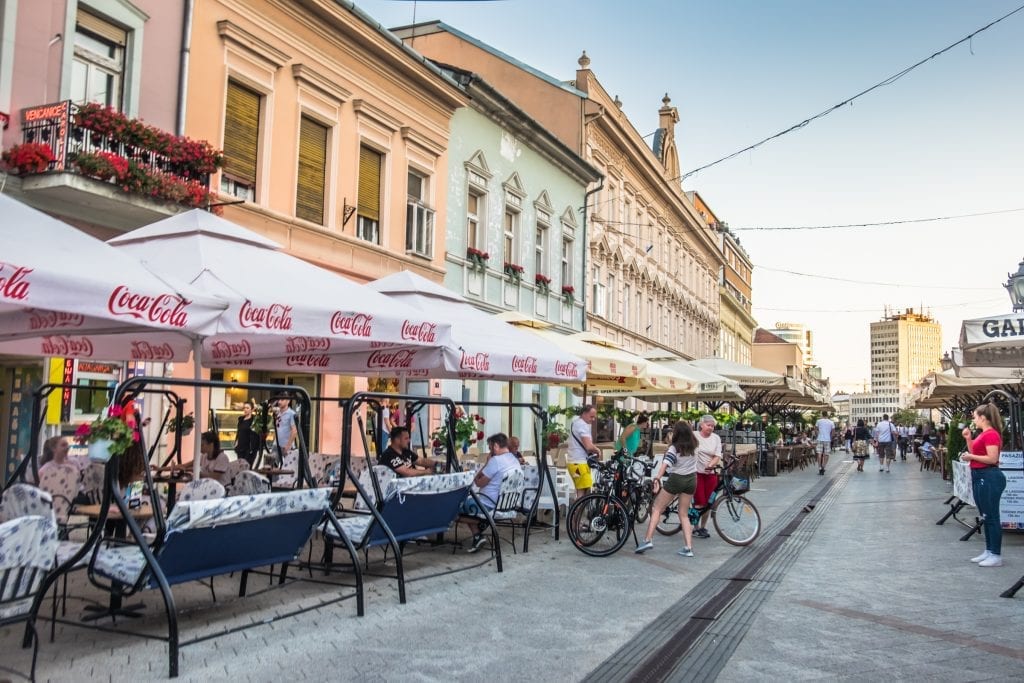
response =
{"points": [[995, 341]]}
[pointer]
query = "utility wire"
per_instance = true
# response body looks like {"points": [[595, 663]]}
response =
{"points": [[962, 304], [888, 81], [879, 223], [869, 282]]}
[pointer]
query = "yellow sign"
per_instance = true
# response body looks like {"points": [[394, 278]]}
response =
{"points": [[54, 376]]}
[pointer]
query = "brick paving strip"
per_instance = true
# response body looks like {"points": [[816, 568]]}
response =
{"points": [[911, 627], [695, 637]]}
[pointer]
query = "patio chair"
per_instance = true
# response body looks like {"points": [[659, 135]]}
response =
{"points": [[320, 465], [234, 468], [201, 489], [385, 475], [290, 461], [24, 500], [249, 483], [61, 482], [506, 508], [91, 485], [208, 538], [28, 546]]}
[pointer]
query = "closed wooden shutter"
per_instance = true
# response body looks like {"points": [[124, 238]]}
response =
{"points": [[93, 24], [241, 133], [309, 195], [369, 183]]}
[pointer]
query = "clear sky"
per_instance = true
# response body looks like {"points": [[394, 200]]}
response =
{"points": [[946, 139]]}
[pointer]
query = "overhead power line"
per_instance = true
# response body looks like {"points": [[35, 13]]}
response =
{"points": [[879, 223], [961, 304], [870, 282], [888, 81]]}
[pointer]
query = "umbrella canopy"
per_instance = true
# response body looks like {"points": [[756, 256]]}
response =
{"points": [[64, 293], [971, 371], [765, 390], [279, 306], [993, 341]]}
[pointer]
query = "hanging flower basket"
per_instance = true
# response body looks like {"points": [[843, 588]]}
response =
{"points": [[543, 283], [514, 271], [477, 259], [183, 425], [111, 435]]}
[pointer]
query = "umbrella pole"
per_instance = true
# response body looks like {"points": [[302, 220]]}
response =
{"points": [[197, 374], [510, 406]]}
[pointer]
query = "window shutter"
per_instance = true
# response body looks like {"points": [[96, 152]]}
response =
{"points": [[369, 183], [309, 195], [241, 133], [103, 29]]}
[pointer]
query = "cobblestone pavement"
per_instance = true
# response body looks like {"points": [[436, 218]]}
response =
{"points": [[875, 584]]}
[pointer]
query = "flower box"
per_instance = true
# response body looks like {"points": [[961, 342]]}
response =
{"points": [[477, 259], [543, 283], [514, 271], [568, 293]]}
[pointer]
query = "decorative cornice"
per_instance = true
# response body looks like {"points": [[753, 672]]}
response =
{"points": [[262, 50], [306, 76], [410, 134], [370, 111]]}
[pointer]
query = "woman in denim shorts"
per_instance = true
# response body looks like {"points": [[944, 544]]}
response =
{"points": [[681, 465]]}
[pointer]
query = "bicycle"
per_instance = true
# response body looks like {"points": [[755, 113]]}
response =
{"points": [[735, 518], [599, 523]]}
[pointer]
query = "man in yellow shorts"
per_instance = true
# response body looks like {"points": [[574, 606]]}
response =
{"points": [[581, 445]]}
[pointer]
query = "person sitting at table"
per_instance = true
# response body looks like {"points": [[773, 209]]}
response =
{"points": [[488, 480], [513, 448], [55, 454], [213, 463], [403, 460]]}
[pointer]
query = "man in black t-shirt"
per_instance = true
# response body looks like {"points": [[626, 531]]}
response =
{"points": [[403, 460]]}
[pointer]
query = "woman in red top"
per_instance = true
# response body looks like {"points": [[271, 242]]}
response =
{"points": [[987, 480]]}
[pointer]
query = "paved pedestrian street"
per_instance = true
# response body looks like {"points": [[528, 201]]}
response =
{"points": [[861, 587]]}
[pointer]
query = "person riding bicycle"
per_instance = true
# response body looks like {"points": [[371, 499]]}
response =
{"points": [[681, 464], [709, 455]]}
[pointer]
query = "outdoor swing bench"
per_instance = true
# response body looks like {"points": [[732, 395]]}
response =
{"points": [[207, 538], [407, 509]]}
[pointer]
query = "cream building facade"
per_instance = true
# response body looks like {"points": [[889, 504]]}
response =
{"points": [[904, 348]]}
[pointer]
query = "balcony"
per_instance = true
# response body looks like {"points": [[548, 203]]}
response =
{"points": [[97, 165]]}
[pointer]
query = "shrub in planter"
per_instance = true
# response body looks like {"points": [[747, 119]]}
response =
{"points": [[28, 158]]}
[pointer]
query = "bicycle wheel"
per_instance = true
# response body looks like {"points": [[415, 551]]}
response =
{"points": [[598, 525], [645, 499], [736, 520], [668, 524]]}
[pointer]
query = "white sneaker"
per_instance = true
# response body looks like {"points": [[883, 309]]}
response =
{"points": [[992, 561], [981, 558]]}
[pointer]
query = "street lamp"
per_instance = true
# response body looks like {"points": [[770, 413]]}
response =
{"points": [[947, 361], [1015, 286]]}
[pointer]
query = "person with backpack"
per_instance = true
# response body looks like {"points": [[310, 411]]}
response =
{"points": [[885, 443]]}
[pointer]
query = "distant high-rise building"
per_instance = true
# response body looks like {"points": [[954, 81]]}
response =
{"points": [[904, 348], [797, 333]]}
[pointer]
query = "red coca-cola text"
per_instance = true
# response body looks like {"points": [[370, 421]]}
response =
{"points": [[564, 369], [400, 358], [60, 345], [165, 309], [352, 324], [14, 283], [272, 317], [476, 362], [144, 350], [49, 320], [306, 344], [222, 350], [425, 333], [524, 365]]}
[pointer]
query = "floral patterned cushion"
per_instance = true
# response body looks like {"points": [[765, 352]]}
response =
{"points": [[385, 475], [204, 513], [25, 543], [289, 462], [434, 483], [24, 500], [355, 527], [122, 563], [248, 483], [235, 467], [65, 549], [61, 482], [509, 495], [92, 481], [202, 489], [320, 464]]}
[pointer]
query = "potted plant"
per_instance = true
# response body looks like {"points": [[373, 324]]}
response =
{"points": [[477, 259], [107, 436], [467, 430], [543, 283], [514, 271], [772, 434], [183, 424], [28, 158], [555, 434], [568, 293]]}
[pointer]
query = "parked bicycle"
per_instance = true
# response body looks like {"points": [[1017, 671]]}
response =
{"points": [[735, 518], [600, 522]]}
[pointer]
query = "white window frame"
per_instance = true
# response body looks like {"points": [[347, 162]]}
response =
{"points": [[627, 294], [568, 247], [419, 238], [97, 65], [542, 233], [599, 298], [510, 231]]}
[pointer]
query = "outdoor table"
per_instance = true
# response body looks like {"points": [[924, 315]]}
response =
{"points": [[273, 471], [119, 529]]}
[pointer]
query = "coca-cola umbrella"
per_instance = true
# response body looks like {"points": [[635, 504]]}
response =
{"points": [[481, 345]]}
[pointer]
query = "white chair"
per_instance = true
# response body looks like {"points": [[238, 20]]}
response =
{"points": [[249, 483], [28, 547], [203, 489], [24, 500], [235, 467]]}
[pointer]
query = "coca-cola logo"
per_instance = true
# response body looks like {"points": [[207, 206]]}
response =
{"points": [[272, 317], [352, 324], [400, 358], [477, 362], [222, 350], [306, 344], [566, 369], [48, 320], [382, 345], [165, 309], [524, 365], [14, 282], [307, 360], [143, 350], [425, 333], [60, 345]]}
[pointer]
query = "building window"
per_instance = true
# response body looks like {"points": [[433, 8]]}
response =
{"points": [[475, 234], [368, 202], [566, 261], [540, 245], [309, 190], [626, 303], [97, 67], [610, 293], [510, 230], [419, 218], [599, 298], [241, 142]]}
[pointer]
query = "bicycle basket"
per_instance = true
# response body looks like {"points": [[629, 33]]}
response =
{"points": [[739, 485]]}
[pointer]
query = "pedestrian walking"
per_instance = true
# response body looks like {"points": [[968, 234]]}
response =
{"points": [[861, 437], [987, 480], [709, 456], [848, 437], [824, 428], [681, 462], [247, 440], [885, 443]]}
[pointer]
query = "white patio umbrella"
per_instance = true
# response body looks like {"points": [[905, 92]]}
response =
{"points": [[481, 345], [753, 379]]}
